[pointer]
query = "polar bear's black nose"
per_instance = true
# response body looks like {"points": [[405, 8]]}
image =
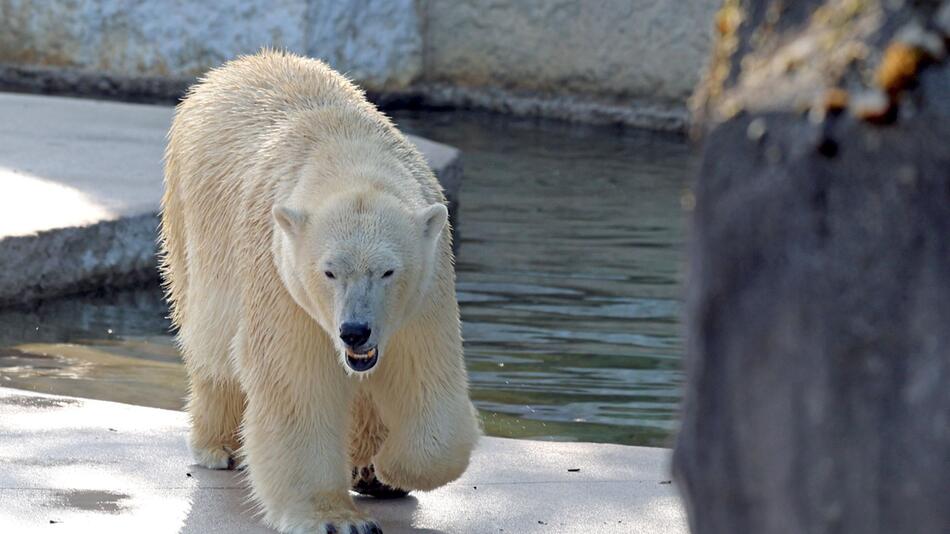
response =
{"points": [[355, 334]]}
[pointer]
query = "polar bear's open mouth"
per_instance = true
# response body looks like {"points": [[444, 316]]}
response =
{"points": [[360, 362]]}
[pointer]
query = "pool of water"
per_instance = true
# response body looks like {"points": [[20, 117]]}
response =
{"points": [[568, 277]]}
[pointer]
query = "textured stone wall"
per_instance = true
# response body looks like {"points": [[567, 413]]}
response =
{"points": [[521, 56], [181, 38], [378, 42], [613, 49]]}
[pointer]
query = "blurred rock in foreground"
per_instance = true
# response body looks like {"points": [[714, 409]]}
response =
{"points": [[818, 395]]}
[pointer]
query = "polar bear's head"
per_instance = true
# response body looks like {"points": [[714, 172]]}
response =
{"points": [[359, 264]]}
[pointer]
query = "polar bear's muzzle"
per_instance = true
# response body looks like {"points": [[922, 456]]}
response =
{"points": [[360, 354], [361, 362]]}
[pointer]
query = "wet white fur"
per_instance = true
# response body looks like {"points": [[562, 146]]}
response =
{"points": [[277, 167]]}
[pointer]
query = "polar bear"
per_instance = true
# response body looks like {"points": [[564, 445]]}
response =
{"points": [[308, 265]]}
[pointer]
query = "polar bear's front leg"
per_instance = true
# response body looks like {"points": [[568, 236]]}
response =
{"points": [[295, 430], [296, 454], [421, 395], [430, 444]]}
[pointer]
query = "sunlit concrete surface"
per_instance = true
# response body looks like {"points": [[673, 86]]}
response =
{"points": [[62, 205], [76, 465], [80, 187], [72, 162]]}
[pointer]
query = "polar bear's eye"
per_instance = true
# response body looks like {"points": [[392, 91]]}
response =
{"points": [[330, 275], [388, 273]]}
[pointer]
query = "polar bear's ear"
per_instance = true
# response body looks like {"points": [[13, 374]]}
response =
{"points": [[433, 220], [288, 219]]}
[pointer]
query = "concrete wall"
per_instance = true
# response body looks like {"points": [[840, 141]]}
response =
{"points": [[606, 48], [622, 52], [378, 42]]}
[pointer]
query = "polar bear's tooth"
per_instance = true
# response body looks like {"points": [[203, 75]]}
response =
{"points": [[371, 353]]}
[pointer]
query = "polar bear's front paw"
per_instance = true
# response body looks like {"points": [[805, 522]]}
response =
{"points": [[362, 527], [214, 457], [345, 524], [414, 473]]}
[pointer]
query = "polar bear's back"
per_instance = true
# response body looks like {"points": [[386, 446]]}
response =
{"points": [[232, 118], [230, 112], [260, 89]]}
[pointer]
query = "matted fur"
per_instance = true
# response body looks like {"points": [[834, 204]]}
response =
{"points": [[272, 130]]}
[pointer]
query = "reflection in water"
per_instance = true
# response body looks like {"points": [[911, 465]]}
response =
{"points": [[568, 277], [110, 347]]}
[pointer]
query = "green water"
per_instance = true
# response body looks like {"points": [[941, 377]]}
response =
{"points": [[568, 276]]}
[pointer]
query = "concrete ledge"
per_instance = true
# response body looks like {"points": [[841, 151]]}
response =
{"points": [[635, 113], [65, 81], [671, 116], [82, 182], [73, 464], [117, 253]]}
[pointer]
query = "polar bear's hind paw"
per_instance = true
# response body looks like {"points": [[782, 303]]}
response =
{"points": [[364, 482], [215, 458]]}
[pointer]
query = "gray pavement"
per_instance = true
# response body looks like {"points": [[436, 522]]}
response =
{"points": [[77, 465], [80, 185]]}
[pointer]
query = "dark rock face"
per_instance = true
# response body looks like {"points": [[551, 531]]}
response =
{"points": [[818, 394]]}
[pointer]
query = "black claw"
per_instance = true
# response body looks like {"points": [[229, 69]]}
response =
{"points": [[354, 530], [230, 463], [330, 528], [373, 528]]}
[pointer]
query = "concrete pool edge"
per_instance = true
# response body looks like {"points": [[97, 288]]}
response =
{"points": [[650, 114], [113, 244], [111, 466]]}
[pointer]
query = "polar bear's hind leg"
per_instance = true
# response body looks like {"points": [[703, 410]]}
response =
{"points": [[216, 409]]}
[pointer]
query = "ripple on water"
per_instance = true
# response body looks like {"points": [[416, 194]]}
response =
{"points": [[569, 275]]}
